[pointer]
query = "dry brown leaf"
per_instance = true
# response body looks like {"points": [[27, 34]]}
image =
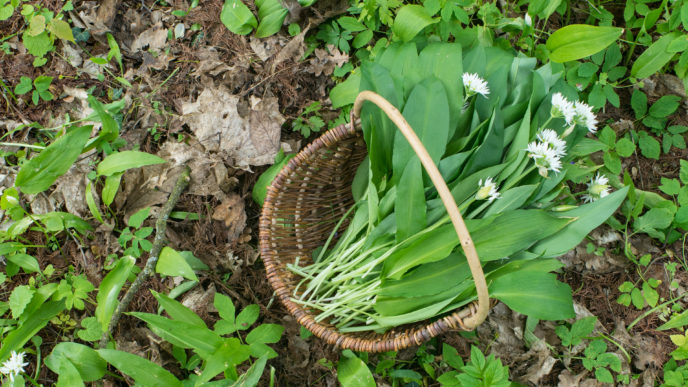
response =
{"points": [[231, 212], [250, 139], [153, 39]]}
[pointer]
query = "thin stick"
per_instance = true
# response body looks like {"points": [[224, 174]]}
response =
{"points": [[160, 227]]}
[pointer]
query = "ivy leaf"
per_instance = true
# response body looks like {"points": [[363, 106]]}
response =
{"points": [[6, 11], [670, 186]]}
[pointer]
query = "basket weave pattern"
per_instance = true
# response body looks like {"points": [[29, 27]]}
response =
{"points": [[303, 204]]}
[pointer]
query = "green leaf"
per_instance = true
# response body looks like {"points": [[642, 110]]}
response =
{"points": [[21, 297], [625, 147], [271, 14], [265, 333], [88, 363], [173, 264], [650, 294], [451, 356], [649, 147], [111, 187], [39, 173], [588, 217], [230, 353], [665, 106], [603, 375], [351, 24], [38, 45], [677, 321], [25, 261], [91, 329], [201, 339], [655, 57], [409, 206], [252, 376], [612, 162], [121, 161], [61, 29], [577, 41], [260, 189], [654, 219], [177, 311], [36, 25], [225, 307], [534, 294], [16, 339], [6, 11], [247, 317], [24, 86], [410, 20], [90, 201], [108, 291], [683, 171], [237, 17], [670, 186], [143, 371], [353, 372], [362, 39], [137, 218]]}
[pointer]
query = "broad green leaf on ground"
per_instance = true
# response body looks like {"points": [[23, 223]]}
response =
{"points": [[577, 41], [271, 14], [265, 333], [410, 20], [260, 189], [21, 297], [38, 45], [251, 377], [109, 289], [534, 294], [177, 311], [121, 161], [353, 372], [201, 339], [25, 261], [39, 173], [587, 217], [16, 339], [173, 264], [230, 353], [61, 29], [88, 363], [655, 57], [143, 371], [237, 17]]}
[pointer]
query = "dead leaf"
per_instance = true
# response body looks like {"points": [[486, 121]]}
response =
{"points": [[325, 61], [265, 48], [152, 39], [199, 300], [231, 212], [215, 120]]}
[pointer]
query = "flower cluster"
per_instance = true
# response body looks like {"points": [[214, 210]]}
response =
{"points": [[597, 189], [14, 365], [487, 190], [473, 84], [547, 153], [578, 113]]}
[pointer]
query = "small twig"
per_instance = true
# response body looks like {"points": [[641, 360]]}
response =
{"points": [[160, 227]]}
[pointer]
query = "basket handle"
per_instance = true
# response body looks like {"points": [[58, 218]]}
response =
{"points": [[452, 209]]}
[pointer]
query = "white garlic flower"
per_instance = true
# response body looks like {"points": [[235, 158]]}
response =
{"points": [[487, 190], [551, 138], [544, 156], [584, 116], [473, 84], [597, 189], [14, 365], [562, 107]]}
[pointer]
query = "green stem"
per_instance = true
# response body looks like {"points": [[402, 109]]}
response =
{"points": [[656, 308]]}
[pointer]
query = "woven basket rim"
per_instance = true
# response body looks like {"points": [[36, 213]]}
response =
{"points": [[391, 340]]}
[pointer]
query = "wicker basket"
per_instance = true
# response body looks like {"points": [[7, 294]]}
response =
{"points": [[304, 203]]}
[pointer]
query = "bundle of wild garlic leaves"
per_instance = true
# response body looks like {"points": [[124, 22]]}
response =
{"points": [[500, 131]]}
